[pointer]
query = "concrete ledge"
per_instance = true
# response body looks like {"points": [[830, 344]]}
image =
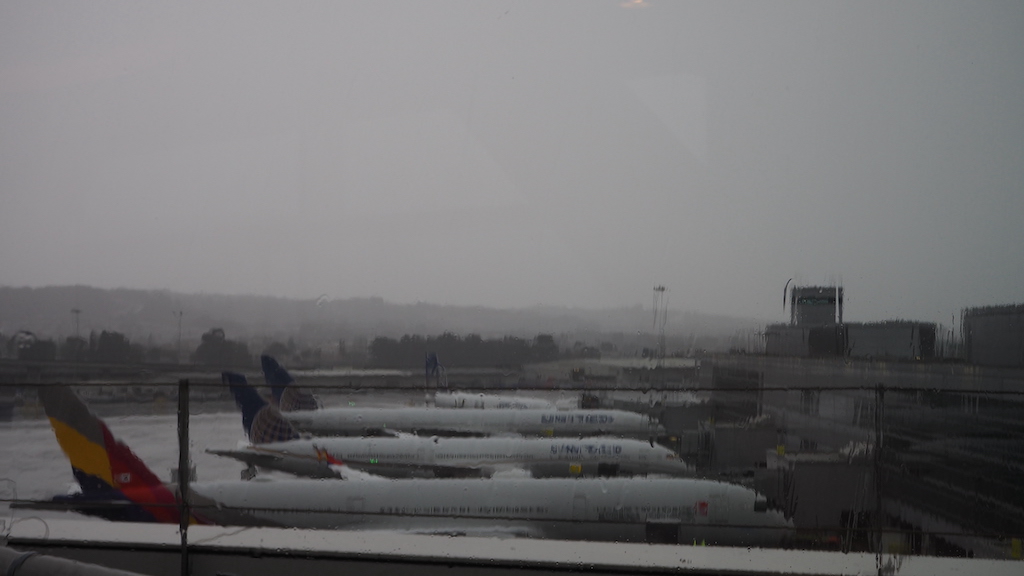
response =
{"points": [[154, 549]]}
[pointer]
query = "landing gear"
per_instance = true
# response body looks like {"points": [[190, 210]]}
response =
{"points": [[248, 473]]}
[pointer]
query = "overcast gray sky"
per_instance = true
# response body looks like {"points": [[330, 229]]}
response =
{"points": [[513, 153]]}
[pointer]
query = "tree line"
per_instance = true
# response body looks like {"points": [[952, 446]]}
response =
{"points": [[110, 347], [216, 349], [470, 352]]}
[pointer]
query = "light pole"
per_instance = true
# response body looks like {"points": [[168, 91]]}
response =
{"points": [[76, 312], [660, 318], [179, 314]]}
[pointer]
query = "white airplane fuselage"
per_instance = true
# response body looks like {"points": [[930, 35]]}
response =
{"points": [[672, 510], [439, 421], [423, 457], [489, 401]]}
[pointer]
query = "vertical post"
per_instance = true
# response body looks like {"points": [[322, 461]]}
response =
{"points": [[76, 312], [879, 404], [184, 473], [179, 314]]}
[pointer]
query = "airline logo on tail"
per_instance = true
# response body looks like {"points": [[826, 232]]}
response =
{"points": [[106, 469], [263, 422], [288, 397], [276, 376], [322, 455]]}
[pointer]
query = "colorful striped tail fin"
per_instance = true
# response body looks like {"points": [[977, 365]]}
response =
{"points": [[111, 476]]}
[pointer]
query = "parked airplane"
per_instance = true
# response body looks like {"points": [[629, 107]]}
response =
{"points": [[290, 397], [619, 509], [275, 445], [116, 484], [442, 422], [298, 408]]}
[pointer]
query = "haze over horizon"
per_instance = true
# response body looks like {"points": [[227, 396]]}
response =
{"points": [[519, 153]]}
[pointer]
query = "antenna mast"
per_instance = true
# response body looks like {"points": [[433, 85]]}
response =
{"points": [[179, 314], [660, 318], [76, 312]]}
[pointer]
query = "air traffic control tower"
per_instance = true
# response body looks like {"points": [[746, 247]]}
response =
{"points": [[814, 306], [815, 326]]}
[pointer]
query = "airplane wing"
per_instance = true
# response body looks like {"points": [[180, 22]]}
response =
{"points": [[306, 466], [394, 470], [310, 466], [249, 457]]}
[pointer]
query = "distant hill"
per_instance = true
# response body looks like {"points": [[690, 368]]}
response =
{"points": [[149, 316]]}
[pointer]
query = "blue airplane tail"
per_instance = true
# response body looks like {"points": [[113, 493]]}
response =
{"points": [[288, 397], [262, 421], [277, 377]]}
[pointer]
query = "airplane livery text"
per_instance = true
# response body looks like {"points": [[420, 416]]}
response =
{"points": [[591, 449], [576, 419]]}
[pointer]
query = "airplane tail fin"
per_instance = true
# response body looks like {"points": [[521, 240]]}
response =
{"points": [[262, 421], [289, 397], [115, 483], [246, 397], [277, 377]]}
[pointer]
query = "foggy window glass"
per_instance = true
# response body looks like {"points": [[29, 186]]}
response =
{"points": [[508, 274]]}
